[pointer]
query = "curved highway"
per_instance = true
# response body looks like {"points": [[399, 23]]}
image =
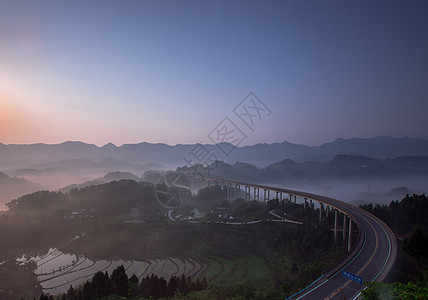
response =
{"points": [[371, 258]]}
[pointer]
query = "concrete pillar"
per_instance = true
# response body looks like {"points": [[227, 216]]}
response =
{"points": [[320, 211], [295, 199], [256, 193], [290, 197], [280, 195], [327, 209], [335, 224], [266, 195], [277, 195], [312, 204], [350, 235], [344, 227], [306, 203], [247, 192]]}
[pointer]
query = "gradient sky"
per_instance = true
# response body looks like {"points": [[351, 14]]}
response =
{"points": [[170, 71]]}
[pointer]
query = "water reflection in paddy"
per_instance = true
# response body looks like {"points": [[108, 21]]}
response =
{"points": [[56, 270]]}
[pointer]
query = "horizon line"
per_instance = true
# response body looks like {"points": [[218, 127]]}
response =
{"points": [[211, 144]]}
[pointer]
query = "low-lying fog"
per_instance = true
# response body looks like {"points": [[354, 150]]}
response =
{"points": [[364, 191], [20, 181], [16, 183]]}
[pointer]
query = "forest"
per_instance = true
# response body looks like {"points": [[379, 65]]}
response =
{"points": [[266, 260], [408, 219], [118, 284]]}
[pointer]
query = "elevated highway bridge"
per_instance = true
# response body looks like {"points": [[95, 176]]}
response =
{"points": [[370, 258]]}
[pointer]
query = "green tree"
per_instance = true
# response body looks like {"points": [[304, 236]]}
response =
{"points": [[417, 247], [172, 286], [71, 293], [184, 288], [87, 291], [100, 284], [395, 291], [119, 282], [133, 286]]}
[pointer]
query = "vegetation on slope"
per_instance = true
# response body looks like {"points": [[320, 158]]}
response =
{"points": [[408, 219], [267, 260]]}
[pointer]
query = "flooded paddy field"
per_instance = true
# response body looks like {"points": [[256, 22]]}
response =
{"points": [[56, 270]]}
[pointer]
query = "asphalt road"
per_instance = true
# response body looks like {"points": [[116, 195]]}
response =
{"points": [[371, 258], [371, 262]]}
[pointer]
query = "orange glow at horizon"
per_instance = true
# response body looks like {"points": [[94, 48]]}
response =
{"points": [[17, 121]]}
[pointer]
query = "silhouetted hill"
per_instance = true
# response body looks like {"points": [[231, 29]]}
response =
{"points": [[378, 147], [3, 176], [79, 154], [13, 187], [412, 164], [117, 175], [265, 154], [113, 198], [287, 169], [111, 176], [152, 176], [347, 167], [355, 166], [25, 172], [77, 163]]}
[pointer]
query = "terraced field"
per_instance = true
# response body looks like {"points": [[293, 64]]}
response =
{"points": [[56, 270]]}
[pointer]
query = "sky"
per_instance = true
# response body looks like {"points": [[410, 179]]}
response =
{"points": [[181, 72]]}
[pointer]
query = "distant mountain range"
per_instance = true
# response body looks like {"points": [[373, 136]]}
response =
{"points": [[344, 168], [36, 156], [12, 187], [111, 176], [341, 167]]}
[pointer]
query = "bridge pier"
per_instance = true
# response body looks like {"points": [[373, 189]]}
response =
{"points": [[331, 206], [335, 224], [344, 227], [229, 191], [350, 235], [247, 193], [266, 195], [256, 193]]}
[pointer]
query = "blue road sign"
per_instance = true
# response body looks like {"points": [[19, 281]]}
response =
{"points": [[352, 277]]}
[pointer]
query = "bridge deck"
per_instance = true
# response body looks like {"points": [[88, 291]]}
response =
{"points": [[371, 258]]}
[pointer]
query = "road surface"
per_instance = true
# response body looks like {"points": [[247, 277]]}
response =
{"points": [[372, 257]]}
